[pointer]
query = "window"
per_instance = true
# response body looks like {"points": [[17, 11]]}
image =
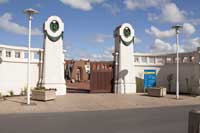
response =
{"points": [[168, 60], [103, 67], [144, 59], [26, 55], [0, 53], [8, 53], [192, 59], [179, 59], [98, 67], [17, 55], [185, 59], [36, 55], [159, 60], [136, 59], [151, 60]]}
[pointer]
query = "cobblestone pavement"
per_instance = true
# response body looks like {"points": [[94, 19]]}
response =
{"points": [[93, 102]]}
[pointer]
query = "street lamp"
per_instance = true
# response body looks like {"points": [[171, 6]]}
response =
{"points": [[177, 30], [30, 12]]}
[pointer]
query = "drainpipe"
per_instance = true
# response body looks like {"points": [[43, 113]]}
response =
{"points": [[116, 70]]}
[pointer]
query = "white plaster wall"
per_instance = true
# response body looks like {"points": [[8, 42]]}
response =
{"points": [[13, 71], [139, 71], [13, 77], [187, 70]]}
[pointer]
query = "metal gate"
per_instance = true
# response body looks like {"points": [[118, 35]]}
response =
{"points": [[101, 81]]}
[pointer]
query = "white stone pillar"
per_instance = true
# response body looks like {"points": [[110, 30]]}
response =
{"points": [[53, 59], [148, 60], [3, 53], [125, 77], [12, 54], [21, 54]]}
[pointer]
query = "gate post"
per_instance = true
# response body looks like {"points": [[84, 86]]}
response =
{"points": [[53, 59], [125, 82]]}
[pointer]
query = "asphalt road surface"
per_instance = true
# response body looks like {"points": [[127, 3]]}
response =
{"points": [[151, 120]]}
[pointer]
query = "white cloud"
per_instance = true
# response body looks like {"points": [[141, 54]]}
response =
{"points": [[143, 4], [114, 9], [105, 56], [85, 5], [160, 46], [170, 13], [188, 29], [100, 38], [3, 1], [137, 40], [8, 25], [158, 33], [195, 21], [153, 17], [39, 5], [192, 44]]}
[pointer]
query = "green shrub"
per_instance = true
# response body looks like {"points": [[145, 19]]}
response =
{"points": [[24, 91], [139, 85], [40, 88], [1, 96], [43, 89], [11, 93], [170, 77]]}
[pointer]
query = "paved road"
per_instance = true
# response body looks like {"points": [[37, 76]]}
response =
{"points": [[152, 120]]}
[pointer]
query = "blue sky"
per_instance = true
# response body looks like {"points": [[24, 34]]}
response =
{"points": [[89, 24]]}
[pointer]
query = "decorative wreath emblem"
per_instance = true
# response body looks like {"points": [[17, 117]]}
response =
{"points": [[54, 28], [127, 34]]}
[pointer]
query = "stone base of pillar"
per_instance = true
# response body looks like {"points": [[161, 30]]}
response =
{"points": [[125, 88], [61, 88]]}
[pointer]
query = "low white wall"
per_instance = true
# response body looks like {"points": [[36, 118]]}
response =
{"points": [[13, 70], [14, 77], [189, 80], [189, 71]]}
